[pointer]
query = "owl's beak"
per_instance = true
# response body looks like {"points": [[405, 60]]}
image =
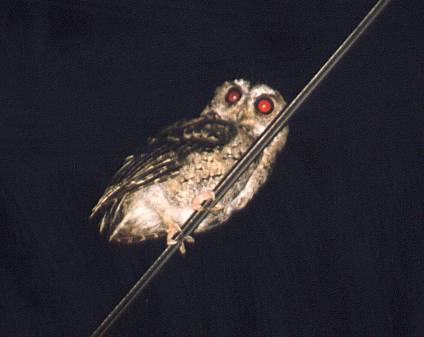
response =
{"points": [[240, 114], [244, 118], [249, 123]]}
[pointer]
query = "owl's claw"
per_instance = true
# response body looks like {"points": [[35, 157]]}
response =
{"points": [[189, 239], [172, 229], [217, 208], [205, 196], [201, 198]]}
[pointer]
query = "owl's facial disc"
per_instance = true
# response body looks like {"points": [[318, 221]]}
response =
{"points": [[252, 108]]}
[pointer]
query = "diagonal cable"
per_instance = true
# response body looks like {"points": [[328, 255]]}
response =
{"points": [[277, 124]]}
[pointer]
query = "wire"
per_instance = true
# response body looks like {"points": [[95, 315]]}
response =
{"points": [[277, 124]]}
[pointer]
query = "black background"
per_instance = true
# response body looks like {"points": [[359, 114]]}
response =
{"points": [[331, 246]]}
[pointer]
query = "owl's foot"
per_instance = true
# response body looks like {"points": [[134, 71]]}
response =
{"points": [[217, 208], [201, 198], [171, 229], [189, 239], [205, 196]]}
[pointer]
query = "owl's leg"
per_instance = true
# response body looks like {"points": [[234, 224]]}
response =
{"points": [[205, 196], [217, 208], [201, 198], [173, 228], [189, 239]]}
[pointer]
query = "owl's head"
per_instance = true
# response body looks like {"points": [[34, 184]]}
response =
{"points": [[250, 107]]}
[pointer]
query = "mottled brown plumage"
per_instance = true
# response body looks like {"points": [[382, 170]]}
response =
{"points": [[154, 193]]}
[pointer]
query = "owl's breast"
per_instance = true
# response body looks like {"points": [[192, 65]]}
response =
{"points": [[203, 170]]}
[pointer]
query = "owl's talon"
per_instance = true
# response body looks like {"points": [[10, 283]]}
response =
{"points": [[200, 199], [171, 242], [189, 239], [171, 229], [217, 208]]}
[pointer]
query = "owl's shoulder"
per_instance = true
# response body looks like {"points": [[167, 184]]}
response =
{"points": [[204, 132]]}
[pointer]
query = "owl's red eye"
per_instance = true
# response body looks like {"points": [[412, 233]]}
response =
{"points": [[264, 105], [233, 95]]}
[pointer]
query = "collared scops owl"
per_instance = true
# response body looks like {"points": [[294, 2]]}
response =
{"points": [[156, 191]]}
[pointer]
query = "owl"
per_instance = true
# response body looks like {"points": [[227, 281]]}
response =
{"points": [[155, 192]]}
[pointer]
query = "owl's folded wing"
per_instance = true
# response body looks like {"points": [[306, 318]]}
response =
{"points": [[166, 154]]}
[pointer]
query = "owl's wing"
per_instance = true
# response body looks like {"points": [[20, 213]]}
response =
{"points": [[167, 152]]}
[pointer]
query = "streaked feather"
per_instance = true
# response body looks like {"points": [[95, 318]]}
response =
{"points": [[166, 154]]}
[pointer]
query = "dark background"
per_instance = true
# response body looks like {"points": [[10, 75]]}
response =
{"points": [[333, 245]]}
